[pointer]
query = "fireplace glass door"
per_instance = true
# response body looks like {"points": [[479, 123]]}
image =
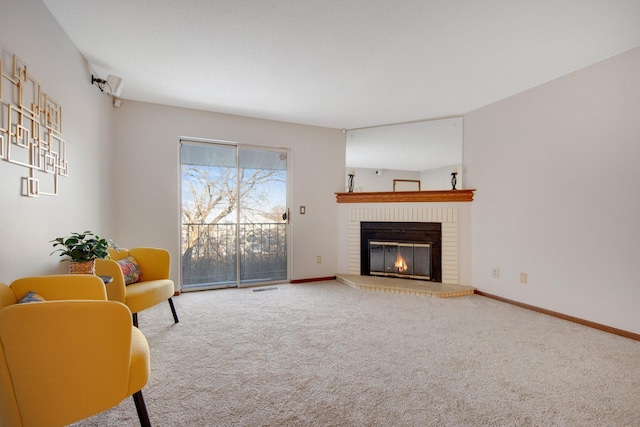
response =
{"points": [[397, 259]]}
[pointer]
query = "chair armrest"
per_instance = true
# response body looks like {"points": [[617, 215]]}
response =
{"points": [[140, 369], [7, 297], [67, 359], [154, 263], [116, 289], [61, 287]]}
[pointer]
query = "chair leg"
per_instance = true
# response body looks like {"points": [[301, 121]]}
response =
{"points": [[173, 311], [142, 409], [134, 317]]}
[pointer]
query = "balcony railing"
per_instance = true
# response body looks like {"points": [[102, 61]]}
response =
{"points": [[210, 253]]}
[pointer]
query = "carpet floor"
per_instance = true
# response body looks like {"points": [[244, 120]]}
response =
{"points": [[325, 354]]}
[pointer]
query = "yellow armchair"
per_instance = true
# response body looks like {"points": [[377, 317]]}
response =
{"points": [[155, 287], [65, 359]]}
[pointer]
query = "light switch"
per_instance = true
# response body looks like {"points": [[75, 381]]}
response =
{"points": [[302, 210]]}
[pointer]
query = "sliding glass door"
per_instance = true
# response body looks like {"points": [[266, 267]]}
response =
{"points": [[234, 215]]}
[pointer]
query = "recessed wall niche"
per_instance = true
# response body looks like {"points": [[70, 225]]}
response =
{"points": [[31, 131]]}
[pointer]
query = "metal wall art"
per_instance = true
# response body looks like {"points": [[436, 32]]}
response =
{"points": [[31, 131]]}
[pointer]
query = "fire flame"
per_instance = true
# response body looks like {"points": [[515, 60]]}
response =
{"points": [[400, 265]]}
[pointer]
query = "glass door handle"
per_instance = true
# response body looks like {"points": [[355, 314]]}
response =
{"points": [[286, 216]]}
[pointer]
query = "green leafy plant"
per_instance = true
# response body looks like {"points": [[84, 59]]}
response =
{"points": [[81, 247]]}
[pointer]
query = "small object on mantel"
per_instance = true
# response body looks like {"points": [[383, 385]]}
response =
{"points": [[454, 181], [432, 196], [351, 176]]}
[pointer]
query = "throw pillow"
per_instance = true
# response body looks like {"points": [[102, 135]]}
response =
{"points": [[130, 270], [30, 296]]}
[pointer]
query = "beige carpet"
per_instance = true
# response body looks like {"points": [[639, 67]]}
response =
{"points": [[325, 354]]}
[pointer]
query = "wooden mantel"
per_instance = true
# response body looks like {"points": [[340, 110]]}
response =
{"points": [[406, 196]]}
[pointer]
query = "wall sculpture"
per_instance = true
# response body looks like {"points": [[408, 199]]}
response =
{"points": [[31, 131]]}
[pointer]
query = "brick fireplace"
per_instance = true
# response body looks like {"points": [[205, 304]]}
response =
{"points": [[446, 217]]}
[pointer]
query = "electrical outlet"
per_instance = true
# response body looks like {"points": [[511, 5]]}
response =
{"points": [[523, 277], [495, 272], [319, 259]]}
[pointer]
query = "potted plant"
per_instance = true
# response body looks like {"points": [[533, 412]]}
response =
{"points": [[82, 250]]}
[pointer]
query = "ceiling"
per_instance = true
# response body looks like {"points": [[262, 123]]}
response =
{"points": [[342, 64]]}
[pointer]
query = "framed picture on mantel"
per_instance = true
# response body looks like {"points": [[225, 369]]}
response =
{"points": [[406, 185]]}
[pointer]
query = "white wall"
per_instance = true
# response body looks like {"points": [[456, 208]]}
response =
{"points": [[146, 178], [557, 177], [28, 30]]}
